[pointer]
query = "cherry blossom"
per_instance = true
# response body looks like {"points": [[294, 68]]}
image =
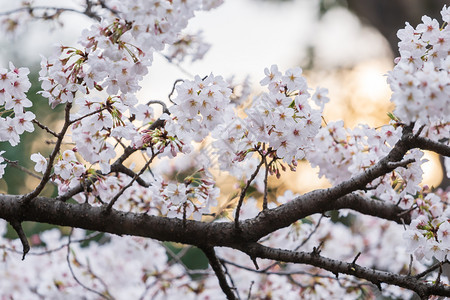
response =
{"points": [[159, 174], [2, 165], [41, 162]]}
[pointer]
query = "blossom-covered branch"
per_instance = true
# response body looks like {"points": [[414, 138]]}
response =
{"points": [[376, 222]]}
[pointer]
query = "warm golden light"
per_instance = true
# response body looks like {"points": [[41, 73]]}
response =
{"points": [[432, 170]]}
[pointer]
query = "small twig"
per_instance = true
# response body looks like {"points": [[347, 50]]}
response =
{"points": [[184, 214], [356, 258], [417, 134], [73, 273], [173, 89], [430, 269], [129, 172], [164, 106], [16, 165], [317, 250], [23, 239], [135, 177], [112, 10], [411, 258], [46, 177], [88, 11], [438, 279], [177, 258], [302, 243], [90, 236], [176, 65], [231, 280], [287, 273], [88, 115], [31, 9], [255, 263], [407, 212], [244, 190], [42, 126], [49, 142], [403, 163], [250, 290]]}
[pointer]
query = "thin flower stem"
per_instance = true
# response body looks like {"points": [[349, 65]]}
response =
{"points": [[244, 191], [27, 198], [135, 177], [87, 115], [16, 165]]}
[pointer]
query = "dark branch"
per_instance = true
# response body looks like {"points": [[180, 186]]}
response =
{"points": [[46, 177], [244, 191], [217, 267], [422, 288], [23, 239], [427, 144], [47, 210]]}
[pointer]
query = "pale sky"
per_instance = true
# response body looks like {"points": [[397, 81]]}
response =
{"points": [[246, 36]]}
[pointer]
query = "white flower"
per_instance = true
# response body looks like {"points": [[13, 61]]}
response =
{"points": [[63, 169], [176, 193], [69, 156], [294, 79], [2, 166], [41, 162]]}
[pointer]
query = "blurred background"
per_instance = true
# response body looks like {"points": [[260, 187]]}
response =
{"points": [[347, 46]]}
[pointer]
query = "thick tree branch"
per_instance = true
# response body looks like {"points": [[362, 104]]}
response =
{"points": [[47, 210], [427, 144], [422, 288], [315, 201], [207, 235], [217, 267]]}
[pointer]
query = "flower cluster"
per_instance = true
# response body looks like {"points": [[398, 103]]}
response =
{"points": [[118, 51], [188, 45], [14, 120], [201, 105], [420, 81], [284, 118], [49, 276], [428, 235], [68, 168], [192, 198], [96, 121], [340, 153], [281, 122]]}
